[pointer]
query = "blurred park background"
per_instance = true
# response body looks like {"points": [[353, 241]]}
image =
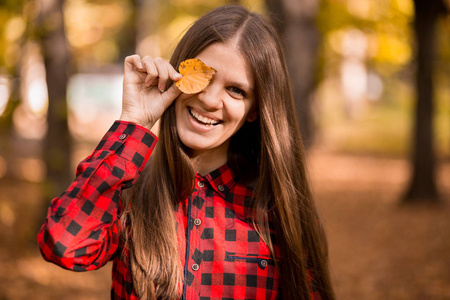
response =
{"points": [[371, 80]]}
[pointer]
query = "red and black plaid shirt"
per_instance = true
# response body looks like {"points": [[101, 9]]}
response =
{"points": [[222, 255]]}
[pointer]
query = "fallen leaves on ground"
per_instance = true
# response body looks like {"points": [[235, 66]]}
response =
{"points": [[378, 249]]}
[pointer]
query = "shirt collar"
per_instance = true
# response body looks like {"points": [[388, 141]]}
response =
{"points": [[222, 179]]}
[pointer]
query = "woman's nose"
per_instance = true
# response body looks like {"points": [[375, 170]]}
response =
{"points": [[211, 97]]}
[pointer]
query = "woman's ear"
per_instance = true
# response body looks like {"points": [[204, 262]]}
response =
{"points": [[252, 115]]}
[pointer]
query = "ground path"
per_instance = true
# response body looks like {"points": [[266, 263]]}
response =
{"points": [[378, 249]]}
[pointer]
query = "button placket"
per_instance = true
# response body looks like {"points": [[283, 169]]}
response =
{"points": [[196, 215]]}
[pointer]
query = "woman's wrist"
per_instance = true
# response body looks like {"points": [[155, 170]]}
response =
{"points": [[127, 118]]}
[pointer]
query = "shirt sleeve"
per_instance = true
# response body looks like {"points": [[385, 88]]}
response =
{"points": [[81, 231]]}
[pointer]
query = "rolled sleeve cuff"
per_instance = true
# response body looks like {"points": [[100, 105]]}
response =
{"points": [[132, 142]]}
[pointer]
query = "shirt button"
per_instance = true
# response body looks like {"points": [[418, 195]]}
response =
{"points": [[197, 222], [122, 136], [201, 184], [195, 267], [221, 188], [263, 263]]}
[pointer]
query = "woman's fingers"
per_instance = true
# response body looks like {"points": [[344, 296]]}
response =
{"points": [[145, 105], [150, 69], [163, 73], [170, 95], [132, 63], [174, 75], [152, 72]]}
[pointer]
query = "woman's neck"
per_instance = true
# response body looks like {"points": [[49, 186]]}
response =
{"points": [[207, 161]]}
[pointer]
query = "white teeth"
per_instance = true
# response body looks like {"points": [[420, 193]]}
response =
{"points": [[203, 119]]}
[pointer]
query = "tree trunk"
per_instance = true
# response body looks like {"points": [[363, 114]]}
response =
{"points": [[422, 186], [57, 60], [7, 150], [127, 35], [295, 22], [147, 39]]}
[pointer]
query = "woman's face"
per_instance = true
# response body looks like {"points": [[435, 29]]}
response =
{"points": [[207, 120]]}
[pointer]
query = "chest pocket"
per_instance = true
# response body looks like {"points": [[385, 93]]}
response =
{"points": [[262, 261], [248, 258], [235, 258]]}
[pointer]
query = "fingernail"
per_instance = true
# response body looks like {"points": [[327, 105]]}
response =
{"points": [[161, 89], [140, 66], [177, 76]]}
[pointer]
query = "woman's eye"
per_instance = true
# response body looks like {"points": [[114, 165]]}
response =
{"points": [[237, 91]]}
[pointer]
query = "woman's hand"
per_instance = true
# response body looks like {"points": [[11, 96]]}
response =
{"points": [[144, 97]]}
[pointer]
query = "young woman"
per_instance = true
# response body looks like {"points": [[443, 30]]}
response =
{"points": [[221, 208]]}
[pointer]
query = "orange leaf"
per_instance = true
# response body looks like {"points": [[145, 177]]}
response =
{"points": [[196, 76]]}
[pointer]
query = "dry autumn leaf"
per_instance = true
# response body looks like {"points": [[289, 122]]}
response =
{"points": [[196, 76]]}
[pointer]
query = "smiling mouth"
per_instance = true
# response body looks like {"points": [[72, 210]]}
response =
{"points": [[202, 119]]}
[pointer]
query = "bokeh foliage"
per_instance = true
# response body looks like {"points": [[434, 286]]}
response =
{"points": [[382, 126], [102, 32]]}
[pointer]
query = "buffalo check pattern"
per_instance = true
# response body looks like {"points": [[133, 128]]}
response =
{"points": [[222, 255]]}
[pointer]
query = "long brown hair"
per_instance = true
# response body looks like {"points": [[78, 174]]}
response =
{"points": [[269, 148]]}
